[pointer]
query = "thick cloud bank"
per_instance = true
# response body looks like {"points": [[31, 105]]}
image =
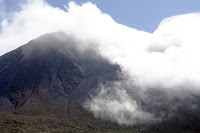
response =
{"points": [[162, 67]]}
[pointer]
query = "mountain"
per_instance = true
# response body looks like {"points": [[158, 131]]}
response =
{"points": [[44, 74], [44, 84], [49, 77]]}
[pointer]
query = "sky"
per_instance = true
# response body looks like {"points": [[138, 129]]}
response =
{"points": [[143, 15]]}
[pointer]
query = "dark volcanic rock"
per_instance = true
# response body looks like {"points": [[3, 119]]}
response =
{"points": [[40, 77], [44, 84]]}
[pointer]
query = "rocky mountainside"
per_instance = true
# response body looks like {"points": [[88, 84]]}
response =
{"points": [[44, 84], [41, 77]]}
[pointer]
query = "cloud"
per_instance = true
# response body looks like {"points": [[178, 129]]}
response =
{"points": [[164, 60], [113, 103]]}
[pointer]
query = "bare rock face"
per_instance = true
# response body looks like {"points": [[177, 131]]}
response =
{"points": [[44, 76], [44, 84], [40, 81]]}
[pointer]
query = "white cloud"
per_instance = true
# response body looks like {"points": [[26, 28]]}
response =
{"points": [[113, 103], [168, 58]]}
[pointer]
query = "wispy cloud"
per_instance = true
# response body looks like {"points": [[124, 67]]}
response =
{"points": [[114, 103]]}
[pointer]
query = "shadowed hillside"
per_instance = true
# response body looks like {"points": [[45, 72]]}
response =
{"points": [[44, 84]]}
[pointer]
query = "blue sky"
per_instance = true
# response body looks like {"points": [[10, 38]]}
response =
{"points": [[139, 14]]}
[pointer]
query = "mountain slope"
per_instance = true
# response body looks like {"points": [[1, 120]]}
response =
{"points": [[45, 83], [40, 77]]}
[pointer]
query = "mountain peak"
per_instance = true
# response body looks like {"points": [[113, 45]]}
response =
{"points": [[41, 76]]}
